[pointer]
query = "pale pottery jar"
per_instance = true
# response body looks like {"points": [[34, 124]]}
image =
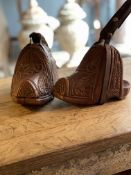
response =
{"points": [[35, 19], [73, 31]]}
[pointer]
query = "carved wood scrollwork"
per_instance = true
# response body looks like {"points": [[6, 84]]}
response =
{"points": [[35, 73]]}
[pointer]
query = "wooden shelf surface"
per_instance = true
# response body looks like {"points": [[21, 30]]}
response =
{"points": [[33, 137]]}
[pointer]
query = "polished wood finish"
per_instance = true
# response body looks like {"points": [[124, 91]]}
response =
{"points": [[33, 137], [35, 73], [99, 77]]}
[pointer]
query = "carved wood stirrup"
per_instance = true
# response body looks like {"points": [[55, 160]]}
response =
{"points": [[99, 77], [35, 73]]}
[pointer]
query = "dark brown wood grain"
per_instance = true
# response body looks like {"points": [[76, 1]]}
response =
{"points": [[99, 77], [35, 73]]}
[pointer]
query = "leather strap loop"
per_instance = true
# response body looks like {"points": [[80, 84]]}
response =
{"points": [[37, 38]]}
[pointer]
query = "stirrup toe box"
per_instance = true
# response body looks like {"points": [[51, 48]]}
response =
{"points": [[35, 73], [68, 90], [28, 93], [61, 88], [27, 89]]}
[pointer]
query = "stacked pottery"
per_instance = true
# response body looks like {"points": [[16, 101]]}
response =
{"points": [[35, 19], [73, 31]]}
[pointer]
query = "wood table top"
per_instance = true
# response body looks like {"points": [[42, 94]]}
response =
{"points": [[33, 137]]}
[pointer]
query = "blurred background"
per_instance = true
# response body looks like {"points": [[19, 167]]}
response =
{"points": [[69, 26]]}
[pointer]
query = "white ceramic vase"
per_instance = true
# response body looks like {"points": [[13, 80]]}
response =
{"points": [[35, 19], [73, 31]]}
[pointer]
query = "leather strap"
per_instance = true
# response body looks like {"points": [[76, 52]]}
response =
{"points": [[115, 22], [103, 97], [37, 38]]}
